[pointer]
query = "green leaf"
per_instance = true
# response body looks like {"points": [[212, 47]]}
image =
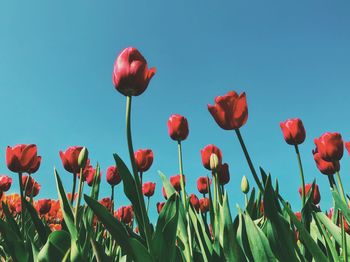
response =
{"points": [[55, 248], [10, 220]]}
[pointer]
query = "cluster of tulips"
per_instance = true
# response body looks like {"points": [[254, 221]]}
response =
{"points": [[79, 227]]}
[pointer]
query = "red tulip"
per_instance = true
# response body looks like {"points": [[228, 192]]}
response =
{"points": [[5, 183], [204, 204], [178, 127], [69, 196], [148, 189], [70, 159], [194, 202], [22, 158], [316, 194], [113, 177], [33, 190], [89, 175], [164, 193], [107, 203], [230, 111], [202, 184], [125, 214], [27, 182], [347, 146], [130, 73], [55, 227], [143, 159], [176, 182], [43, 206], [206, 153], [325, 167], [298, 215], [223, 174], [160, 206], [330, 146], [293, 131]]}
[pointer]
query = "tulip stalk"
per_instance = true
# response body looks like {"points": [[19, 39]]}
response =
{"points": [[250, 164], [80, 190], [22, 202], [341, 187], [301, 172], [181, 175], [73, 188], [112, 200]]}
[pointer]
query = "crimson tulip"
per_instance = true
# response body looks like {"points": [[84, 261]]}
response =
{"points": [[22, 158], [143, 159], [160, 206], [5, 183], [230, 111], [70, 159], [347, 146], [194, 202], [130, 73], [176, 182], [33, 190], [89, 175], [330, 146], [148, 189], [106, 202], [325, 167], [316, 194], [125, 214], [202, 184], [43, 206], [223, 174], [178, 127], [112, 176], [206, 153], [293, 131], [204, 204]]}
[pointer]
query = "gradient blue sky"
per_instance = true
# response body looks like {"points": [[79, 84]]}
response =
{"points": [[291, 58]]}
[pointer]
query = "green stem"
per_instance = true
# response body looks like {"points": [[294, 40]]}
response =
{"points": [[73, 189], [112, 200], [246, 200], [301, 171], [22, 203], [341, 187], [181, 175], [144, 219], [148, 200], [250, 164], [80, 190]]}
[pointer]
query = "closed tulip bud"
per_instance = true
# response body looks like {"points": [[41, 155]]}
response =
{"points": [[330, 146], [230, 111], [143, 159], [43, 206], [223, 174], [5, 183], [148, 189], [160, 206], [22, 158], [112, 176], [194, 202], [176, 182], [293, 131], [83, 157], [70, 159], [206, 153], [214, 162], [325, 167], [178, 127], [204, 205], [245, 185], [316, 197], [130, 73], [202, 184]]}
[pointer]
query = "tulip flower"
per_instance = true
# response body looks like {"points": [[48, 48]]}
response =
{"points": [[143, 159], [230, 111], [70, 159], [130, 73], [33, 189], [112, 176], [176, 182], [148, 189], [43, 206], [202, 184], [223, 174], [207, 151], [106, 202], [178, 127], [160, 206], [347, 146], [125, 214], [293, 131], [22, 158], [5, 183], [326, 168], [194, 202], [316, 197], [330, 146], [204, 204], [89, 174], [55, 227]]}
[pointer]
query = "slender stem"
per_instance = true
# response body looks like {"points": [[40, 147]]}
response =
{"points": [[148, 200], [340, 184], [73, 189], [246, 200], [80, 190], [112, 200], [250, 164], [141, 178], [301, 171], [144, 223], [181, 175], [22, 203]]}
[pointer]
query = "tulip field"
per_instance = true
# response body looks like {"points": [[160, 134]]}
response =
{"points": [[191, 226]]}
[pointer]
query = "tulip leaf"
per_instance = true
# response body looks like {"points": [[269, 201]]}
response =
{"points": [[55, 248], [10, 220], [339, 204]]}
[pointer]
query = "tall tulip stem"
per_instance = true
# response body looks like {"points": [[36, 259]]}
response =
{"points": [[73, 188], [112, 200], [301, 172], [250, 164], [340, 186], [144, 218], [22, 202], [181, 174], [80, 191]]}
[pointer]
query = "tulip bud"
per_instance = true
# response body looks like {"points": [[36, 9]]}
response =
{"points": [[214, 162], [245, 185], [83, 156]]}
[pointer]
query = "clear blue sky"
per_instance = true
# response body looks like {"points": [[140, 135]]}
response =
{"points": [[291, 58]]}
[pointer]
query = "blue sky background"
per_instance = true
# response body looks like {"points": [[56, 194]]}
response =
{"points": [[291, 58]]}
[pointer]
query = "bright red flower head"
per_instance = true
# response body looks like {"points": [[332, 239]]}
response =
{"points": [[206, 153], [330, 146], [223, 174], [112, 176], [22, 158], [178, 127], [204, 204], [194, 202], [202, 184], [143, 159], [293, 131], [176, 182], [70, 159], [89, 174], [230, 111], [160, 206], [5, 183], [125, 214], [148, 189], [130, 73], [43, 206], [107, 203], [325, 167], [316, 194]]}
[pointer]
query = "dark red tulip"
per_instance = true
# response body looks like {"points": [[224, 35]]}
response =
{"points": [[160, 206], [330, 146], [204, 204], [112, 176], [230, 111], [347, 146], [316, 194], [223, 174], [106, 202], [143, 159], [176, 182], [325, 167], [164, 193], [194, 202], [130, 73], [43, 206], [125, 214], [148, 189], [89, 175], [27, 182], [21, 158], [206, 153], [33, 190], [202, 184], [293, 131], [70, 159], [5, 183], [178, 127]]}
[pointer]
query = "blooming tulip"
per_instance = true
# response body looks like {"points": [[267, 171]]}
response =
{"points": [[230, 111], [194, 202], [293, 131], [22, 158], [125, 214], [176, 181], [325, 167], [148, 189], [143, 159], [206, 153], [316, 194], [5, 183], [130, 73], [330, 146], [178, 127], [202, 184], [204, 205], [112, 176], [43, 206], [70, 159]]}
